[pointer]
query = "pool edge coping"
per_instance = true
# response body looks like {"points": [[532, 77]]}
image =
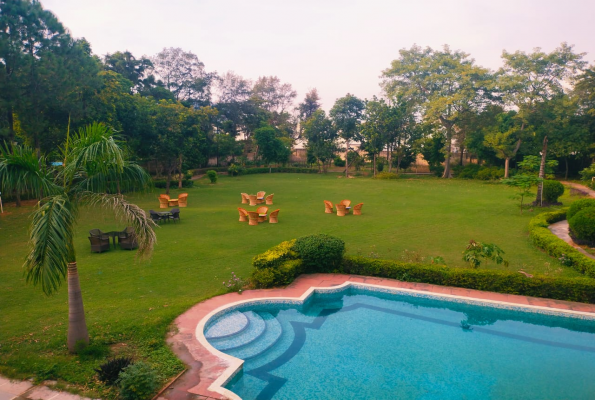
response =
{"points": [[235, 365]]}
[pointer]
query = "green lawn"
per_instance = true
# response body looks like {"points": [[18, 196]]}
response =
{"points": [[131, 304]]}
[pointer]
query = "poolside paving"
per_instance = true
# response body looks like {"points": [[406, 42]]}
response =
{"points": [[204, 367], [25, 390]]}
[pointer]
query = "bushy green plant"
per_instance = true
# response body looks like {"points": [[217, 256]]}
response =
{"points": [[582, 225], [543, 238], [109, 371], [578, 206], [437, 170], [339, 162], [212, 176], [531, 164], [233, 170], [276, 255], [281, 275], [475, 251], [320, 252], [161, 184], [489, 173], [523, 183], [552, 190], [386, 175], [235, 283], [588, 174], [138, 382], [468, 171]]}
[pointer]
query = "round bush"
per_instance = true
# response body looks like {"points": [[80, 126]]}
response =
{"points": [[552, 190], [578, 206], [320, 253], [582, 225], [386, 175], [212, 176], [138, 382], [339, 162]]}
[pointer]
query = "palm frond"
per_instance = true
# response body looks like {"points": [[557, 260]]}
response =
{"points": [[132, 177], [51, 243], [22, 171], [129, 213]]}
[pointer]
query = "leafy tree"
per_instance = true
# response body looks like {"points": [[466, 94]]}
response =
{"points": [[504, 138], [309, 106], [374, 129], [125, 64], [346, 115], [475, 251], [272, 95], [270, 146], [431, 150], [94, 165], [444, 84], [321, 138], [524, 183]]}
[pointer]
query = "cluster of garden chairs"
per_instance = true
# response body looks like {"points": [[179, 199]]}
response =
{"points": [[165, 201], [260, 215], [100, 240], [172, 215], [343, 208], [258, 198]]}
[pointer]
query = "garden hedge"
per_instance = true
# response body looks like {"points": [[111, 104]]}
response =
{"points": [[543, 238], [281, 265], [186, 183]]}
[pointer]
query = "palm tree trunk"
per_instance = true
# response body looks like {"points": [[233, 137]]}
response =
{"points": [[77, 326], [180, 176], [539, 198], [506, 166], [347, 161]]}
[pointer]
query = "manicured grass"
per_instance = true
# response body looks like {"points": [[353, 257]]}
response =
{"points": [[130, 304]]}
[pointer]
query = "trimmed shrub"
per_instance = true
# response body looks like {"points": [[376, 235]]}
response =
{"points": [[281, 275], [437, 170], [543, 238], [275, 256], [469, 171], [552, 190], [386, 175], [138, 382], [490, 173], [212, 176], [109, 371], [186, 183], [339, 162], [379, 166], [579, 205], [234, 170], [320, 253], [571, 289], [587, 176], [582, 225]]}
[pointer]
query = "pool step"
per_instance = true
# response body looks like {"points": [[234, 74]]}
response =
{"points": [[228, 325], [268, 339], [256, 327]]}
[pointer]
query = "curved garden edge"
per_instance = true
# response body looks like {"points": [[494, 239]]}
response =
{"points": [[204, 367]]}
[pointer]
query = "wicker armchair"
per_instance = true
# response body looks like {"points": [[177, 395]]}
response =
{"points": [[273, 217], [99, 244], [346, 203], [245, 198], [165, 196], [269, 199], [252, 198], [357, 209], [163, 202], [252, 217], [328, 207], [98, 233], [260, 197], [243, 214], [127, 239], [155, 216], [183, 200], [262, 213], [175, 214], [340, 210]]}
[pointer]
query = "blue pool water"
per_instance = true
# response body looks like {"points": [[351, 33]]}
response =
{"points": [[359, 344]]}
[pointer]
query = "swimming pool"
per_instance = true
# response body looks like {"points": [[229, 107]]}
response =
{"points": [[364, 342]]}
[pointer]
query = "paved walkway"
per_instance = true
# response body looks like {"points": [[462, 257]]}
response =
{"points": [[204, 367], [22, 390]]}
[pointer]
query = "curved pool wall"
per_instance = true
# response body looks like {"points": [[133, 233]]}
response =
{"points": [[457, 303]]}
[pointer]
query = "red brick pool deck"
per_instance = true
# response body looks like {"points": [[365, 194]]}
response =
{"points": [[204, 368]]}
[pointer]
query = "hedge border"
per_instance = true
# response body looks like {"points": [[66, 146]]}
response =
{"points": [[543, 238]]}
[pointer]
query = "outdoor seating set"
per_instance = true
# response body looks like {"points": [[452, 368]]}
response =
{"points": [[100, 240], [343, 208], [165, 201], [172, 215], [260, 215]]}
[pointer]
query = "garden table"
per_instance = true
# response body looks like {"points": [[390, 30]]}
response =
{"points": [[173, 202], [165, 215], [113, 235]]}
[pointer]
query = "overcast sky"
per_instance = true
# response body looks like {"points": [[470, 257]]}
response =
{"points": [[336, 46]]}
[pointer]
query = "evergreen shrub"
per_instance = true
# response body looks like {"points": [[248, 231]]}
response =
{"points": [[320, 252], [552, 190], [578, 206], [186, 183], [582, 225], [138, 382]]}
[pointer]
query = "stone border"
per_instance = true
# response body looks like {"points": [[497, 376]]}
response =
{"points": [[210, 369]]}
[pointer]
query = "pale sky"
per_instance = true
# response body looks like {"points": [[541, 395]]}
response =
{"points": [[336, 46]]}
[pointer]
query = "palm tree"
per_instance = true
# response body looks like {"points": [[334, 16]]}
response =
{"points": [[94, 173]]}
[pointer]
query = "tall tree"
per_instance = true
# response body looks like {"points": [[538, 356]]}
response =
{"points": [[445, 84], [271, 147], [321, 138], [94, 161], [504, 138], [125, 64], [529, 79], [272, 95], [346, 115], [309, 106]]}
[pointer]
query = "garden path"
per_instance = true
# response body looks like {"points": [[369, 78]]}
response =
{"points": [[25, 390]]}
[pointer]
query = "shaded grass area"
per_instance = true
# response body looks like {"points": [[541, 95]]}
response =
{"points": [[130, 304]]}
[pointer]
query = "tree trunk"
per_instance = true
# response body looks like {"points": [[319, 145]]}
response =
{"points": [[399, 159], [77, 326], [566, 161], [10, 119], [506, 166], [449, 125], [180, 176], [539, 198], [390, 157], [374, 166], [347, 160], [168, 180], [18, 198], [461, 158]]}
